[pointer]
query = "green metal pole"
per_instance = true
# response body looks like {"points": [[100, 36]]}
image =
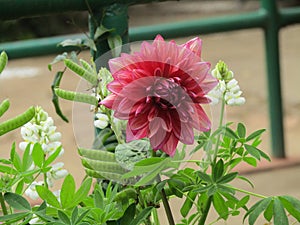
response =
{"points": [[273, 75]]}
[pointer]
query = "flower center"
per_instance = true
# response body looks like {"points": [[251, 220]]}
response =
{"points": [[166, 93]]}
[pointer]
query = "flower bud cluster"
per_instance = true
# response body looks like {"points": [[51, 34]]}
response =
{"points": [[227, 89], [41, 129]]}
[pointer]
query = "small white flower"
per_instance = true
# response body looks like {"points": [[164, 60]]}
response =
{"points": [[31, 190], [36, 220], [101, 120], [57, 171]]}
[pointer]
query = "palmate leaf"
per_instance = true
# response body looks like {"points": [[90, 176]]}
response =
{"points": [[257, 209]]}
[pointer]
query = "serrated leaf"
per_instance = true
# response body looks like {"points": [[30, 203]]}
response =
{"points": [[67, 192], [47, 196], [280, 217], [17, 201]]}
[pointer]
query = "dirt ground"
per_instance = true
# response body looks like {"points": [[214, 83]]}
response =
{"points": [[27, 82]]}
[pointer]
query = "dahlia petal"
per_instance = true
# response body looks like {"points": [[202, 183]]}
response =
{"points": [[170, 145], [132, 135], [187, 134], [108, 101], [201, 121], [195, 45], [138, 122]]}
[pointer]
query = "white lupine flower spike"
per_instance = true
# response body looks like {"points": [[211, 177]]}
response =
{"points": [[227, 88]]}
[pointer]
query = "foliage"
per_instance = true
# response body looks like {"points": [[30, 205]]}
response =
{"points": [[124, 182]]}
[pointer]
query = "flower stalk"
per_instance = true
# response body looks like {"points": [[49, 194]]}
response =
{"points": [[3, 206], [167, 207]]}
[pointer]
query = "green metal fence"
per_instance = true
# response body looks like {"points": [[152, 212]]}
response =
{"points": [[113, 13]]}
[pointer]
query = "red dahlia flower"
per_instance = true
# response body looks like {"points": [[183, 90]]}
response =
{"points": [[159, 91]]}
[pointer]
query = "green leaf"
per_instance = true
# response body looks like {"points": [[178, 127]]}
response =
{"points": [[3, 61], [17, 201], [82, 216], [220, 206], [251, 161], [13, 217], [247, 180], [100, 31], [67, 192], [128, 215], [257, 209], [292, 205], [243, 202], [230, 133], [57, 59], [74, 215], [255, 134], [63, 217], [188, 203], [227, 178], [47, 196], [8, 170], [252, 151], [115, 44], [83, 191], [142, 216], [218, 170], [280, 217], [145, 166], [268, 213], [53, 156], [203, 176], [55, 100], [27, 159], [241, 130], [38, 155]]}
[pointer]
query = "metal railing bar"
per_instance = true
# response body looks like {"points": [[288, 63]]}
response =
{"points": [[15, 9]]}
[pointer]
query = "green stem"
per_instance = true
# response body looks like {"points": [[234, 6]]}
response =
{"points": [[219, 135], [205, 211], [167, 207], [3, 206], [248, 192]]}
